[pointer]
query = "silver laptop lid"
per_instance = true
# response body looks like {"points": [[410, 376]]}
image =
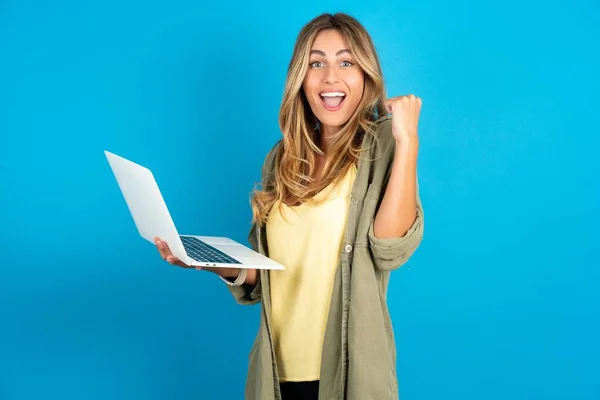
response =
{"points": [[146, 204]]}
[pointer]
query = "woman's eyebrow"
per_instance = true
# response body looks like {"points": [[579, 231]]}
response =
{"points": [[322, 53]]}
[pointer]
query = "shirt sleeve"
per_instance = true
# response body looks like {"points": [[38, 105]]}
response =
{"points": [[245, 295]]}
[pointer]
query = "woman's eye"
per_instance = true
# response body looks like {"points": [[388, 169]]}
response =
{"points": [[346, 64], [316, 64]]}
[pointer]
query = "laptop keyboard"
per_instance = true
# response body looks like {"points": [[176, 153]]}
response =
{"points": [[203, 252]]}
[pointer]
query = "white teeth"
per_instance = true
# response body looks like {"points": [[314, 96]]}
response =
{"points": [[333, 94]]}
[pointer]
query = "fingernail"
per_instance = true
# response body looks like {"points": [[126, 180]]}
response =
{"points": [[198, 268]]}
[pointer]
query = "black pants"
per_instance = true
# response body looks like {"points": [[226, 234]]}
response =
{"points": [[300, 390]]}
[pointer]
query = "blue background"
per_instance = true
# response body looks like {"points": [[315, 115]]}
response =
{"points": [[500, 301]]}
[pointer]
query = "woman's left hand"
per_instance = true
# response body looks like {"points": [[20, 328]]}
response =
{"points": [[405, 112]]}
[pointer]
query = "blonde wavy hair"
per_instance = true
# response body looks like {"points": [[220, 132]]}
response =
{"points": [[292, 182]]}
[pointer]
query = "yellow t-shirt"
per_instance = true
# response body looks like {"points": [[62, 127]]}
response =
{"points": [[308, 243]]}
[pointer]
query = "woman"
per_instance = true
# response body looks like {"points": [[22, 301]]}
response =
{"points": [[339, 207]]}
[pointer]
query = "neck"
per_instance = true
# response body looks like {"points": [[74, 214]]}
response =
{"points": [[327, 132]]}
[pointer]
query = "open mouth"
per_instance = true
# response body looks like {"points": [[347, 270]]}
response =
{"points": [[333, 101]]}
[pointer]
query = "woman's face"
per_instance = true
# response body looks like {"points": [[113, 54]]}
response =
{"points": [[334, 83]]}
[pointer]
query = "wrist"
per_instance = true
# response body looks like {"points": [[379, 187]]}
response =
{"points": [[407, 148], [231, 273]]}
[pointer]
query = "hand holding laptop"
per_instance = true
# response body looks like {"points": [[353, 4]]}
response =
{"points": [[165, 253]]}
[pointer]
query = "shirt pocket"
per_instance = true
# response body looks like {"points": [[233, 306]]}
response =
{"points": [[368, 211]]}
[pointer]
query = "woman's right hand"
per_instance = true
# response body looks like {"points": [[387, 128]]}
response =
{"points": [[165, 253]]}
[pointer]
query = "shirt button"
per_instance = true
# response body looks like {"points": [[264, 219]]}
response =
{"points": [[348, 248]]}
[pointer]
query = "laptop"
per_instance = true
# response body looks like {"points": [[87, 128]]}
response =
{"points": [[153, 219]]}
